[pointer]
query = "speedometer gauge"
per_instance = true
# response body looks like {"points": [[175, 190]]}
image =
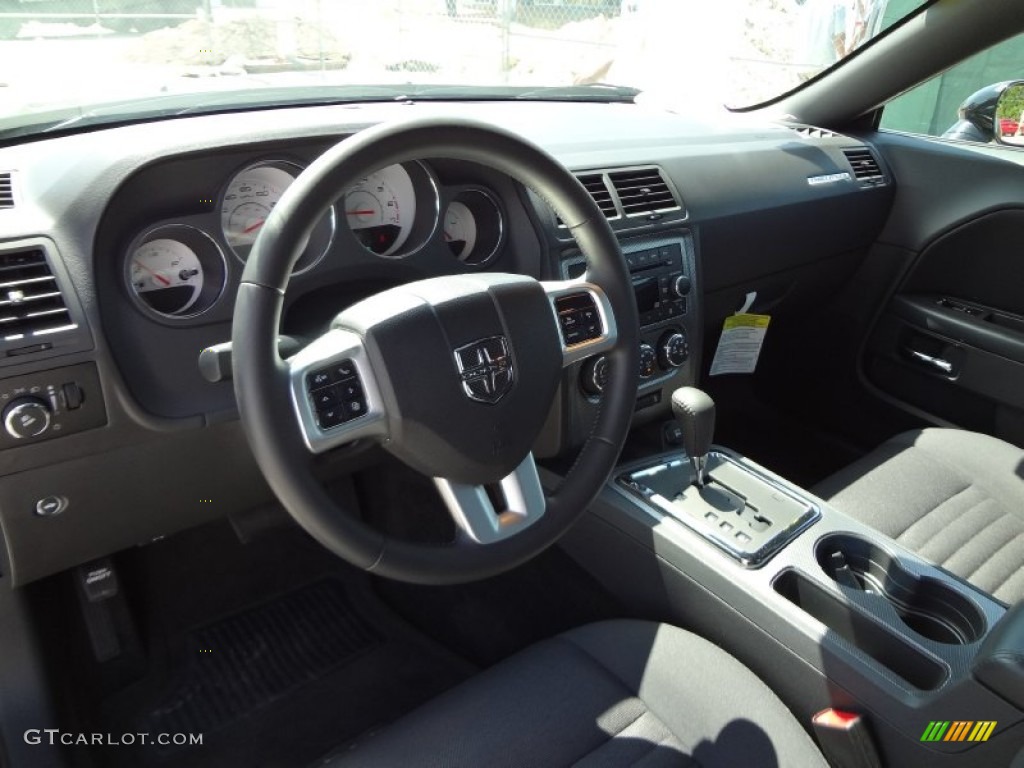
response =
{"points": [[249, 198], [380, 209], [175, 271]]}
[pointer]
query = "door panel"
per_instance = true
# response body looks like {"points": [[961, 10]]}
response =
{"points": [[949, 342]]}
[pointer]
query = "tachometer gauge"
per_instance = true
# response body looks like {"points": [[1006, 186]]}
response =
{"points": [[473, 226], [459, 229], [380, 209], [249, 198], [175, 271]]}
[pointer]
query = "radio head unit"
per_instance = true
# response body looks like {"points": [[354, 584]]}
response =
{"points": [[660, 281]]}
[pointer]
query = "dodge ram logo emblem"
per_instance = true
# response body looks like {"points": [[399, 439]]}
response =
{"points": [[485, 367]]}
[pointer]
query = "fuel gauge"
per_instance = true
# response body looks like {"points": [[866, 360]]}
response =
{"points": [[175, 271]]}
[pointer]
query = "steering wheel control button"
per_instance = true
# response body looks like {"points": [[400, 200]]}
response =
{"points": [[330, 417], [319, 379], [326, 398], [578, 318], [344, 370], [50, 506], [485, 367], [336, 393], [26, 417]]}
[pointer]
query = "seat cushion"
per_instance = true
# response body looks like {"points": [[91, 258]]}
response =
{"points": [[954, 497], [613, 694]]}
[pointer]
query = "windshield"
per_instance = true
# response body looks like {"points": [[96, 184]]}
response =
{"points": [[69, 64]]}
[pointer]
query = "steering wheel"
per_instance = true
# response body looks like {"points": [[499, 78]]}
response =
{"points": [[452, 375]]}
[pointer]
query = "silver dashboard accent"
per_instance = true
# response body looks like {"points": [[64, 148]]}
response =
{"points": [[604, 342], [663, 489], [335, 346], [474, 513]]}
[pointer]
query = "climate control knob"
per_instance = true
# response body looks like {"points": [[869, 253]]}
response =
{"points": [[673, 349], [594, 375], [26, 417], [648, 361]]}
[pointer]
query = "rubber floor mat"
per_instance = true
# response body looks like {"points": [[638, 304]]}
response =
{"points": [[247, 661]]}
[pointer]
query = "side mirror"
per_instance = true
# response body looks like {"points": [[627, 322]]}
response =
{"points": [[1009, 122]]}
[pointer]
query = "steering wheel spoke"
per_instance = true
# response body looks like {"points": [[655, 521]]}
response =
{"points": [[521, 497], [586, 322], [334, 392]]}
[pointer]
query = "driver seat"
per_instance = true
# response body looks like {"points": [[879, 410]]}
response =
{"points": [[612, 694]]}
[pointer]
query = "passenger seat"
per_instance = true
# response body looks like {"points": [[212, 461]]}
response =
{"points": [[954, 497]]}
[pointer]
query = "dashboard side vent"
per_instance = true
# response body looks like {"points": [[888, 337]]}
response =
{"points": [[32, 307], [6, 190], [864, 166], [643, 191]]}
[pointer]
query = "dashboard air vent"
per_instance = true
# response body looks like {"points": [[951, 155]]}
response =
{"points": [[31, 305], [864, 166], [813, 132], [594, 184], [6, 190], [642, 191]]}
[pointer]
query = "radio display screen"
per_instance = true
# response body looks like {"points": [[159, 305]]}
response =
{"points": [[646, 292]]}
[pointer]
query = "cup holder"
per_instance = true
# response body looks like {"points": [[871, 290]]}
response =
{"points": [[927, 606]]}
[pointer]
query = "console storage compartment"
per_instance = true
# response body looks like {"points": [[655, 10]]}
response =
{"points": [[874, 639]]}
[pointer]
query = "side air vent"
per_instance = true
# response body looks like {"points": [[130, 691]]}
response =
{"points": [[642, 192], [865, 167], [6, 190], [594, 184], [32, 308]]}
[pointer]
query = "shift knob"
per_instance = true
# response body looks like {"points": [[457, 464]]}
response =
{"points": [[695, 411]]}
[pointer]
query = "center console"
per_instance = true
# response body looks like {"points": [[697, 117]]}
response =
{"points": [[663, 271], [829, 612]]}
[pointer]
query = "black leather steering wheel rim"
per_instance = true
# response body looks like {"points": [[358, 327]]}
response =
{"points": [[260, 376]]}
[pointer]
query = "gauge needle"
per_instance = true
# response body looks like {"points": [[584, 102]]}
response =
{"points": [[360, 212], [253, 227], [156, 275]]}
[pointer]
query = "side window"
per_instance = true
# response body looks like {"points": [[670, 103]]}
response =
{"points": [[961, 103]]}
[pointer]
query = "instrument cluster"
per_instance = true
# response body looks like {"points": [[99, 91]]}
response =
{"points": [[178, 271]]}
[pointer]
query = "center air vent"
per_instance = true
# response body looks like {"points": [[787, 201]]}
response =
{"points": [[594, 184], [6, 191], [865, 167], [31, 305], [642, 192]]}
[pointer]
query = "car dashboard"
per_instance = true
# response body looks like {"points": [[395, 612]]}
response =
{"points": [[122, 250]]}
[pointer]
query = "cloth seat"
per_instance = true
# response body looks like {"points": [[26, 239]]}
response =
{"points": [[954, 497], [612, 694]]}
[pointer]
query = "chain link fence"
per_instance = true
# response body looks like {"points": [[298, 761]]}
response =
{"points": [[513, 42]]}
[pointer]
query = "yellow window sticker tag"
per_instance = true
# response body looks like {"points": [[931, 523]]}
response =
{"points": [[740, 344]]}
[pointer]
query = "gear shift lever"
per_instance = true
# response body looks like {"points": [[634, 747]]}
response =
{"points": [[695, 411]]}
